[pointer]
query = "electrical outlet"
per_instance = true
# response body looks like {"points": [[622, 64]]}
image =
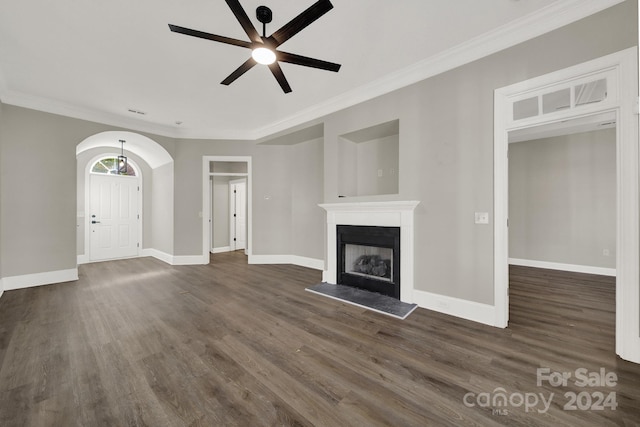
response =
{"points": [[442, 304], [482, 217]]}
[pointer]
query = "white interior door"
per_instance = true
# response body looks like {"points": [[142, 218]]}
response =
{"points": [[114, 217], [238, 214]]}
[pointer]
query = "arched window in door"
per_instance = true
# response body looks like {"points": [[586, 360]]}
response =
{"points": [[109, 166]]}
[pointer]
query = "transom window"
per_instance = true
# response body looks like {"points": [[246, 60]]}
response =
{"points": [[578, 94], [109, 166]]}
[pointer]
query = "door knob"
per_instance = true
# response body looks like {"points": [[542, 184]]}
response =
{"points": [[95, 222]]}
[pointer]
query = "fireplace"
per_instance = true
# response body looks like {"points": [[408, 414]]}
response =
{"points": [[384, 214], [368, 257]]}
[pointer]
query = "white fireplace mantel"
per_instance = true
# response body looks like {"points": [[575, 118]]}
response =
{"points": [[379, 214]]}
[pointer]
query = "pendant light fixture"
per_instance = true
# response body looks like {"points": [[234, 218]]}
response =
{"points": [[122, 160]]}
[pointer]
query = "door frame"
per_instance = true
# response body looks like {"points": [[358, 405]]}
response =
{"points": [[206, 201], [87, 204], [623, 66], [233, 182]]}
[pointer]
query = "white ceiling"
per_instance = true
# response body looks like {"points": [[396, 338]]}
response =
{"points": [[97, 59]]}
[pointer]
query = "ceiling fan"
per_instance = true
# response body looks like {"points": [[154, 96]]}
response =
{"points": [[264, 49]]}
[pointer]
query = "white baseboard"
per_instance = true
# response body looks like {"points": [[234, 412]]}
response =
{"points": [[326, 278], [603, 271], [39, 279], [316, 264], [1, 287], [190, 260], [269, 259], [83, 259], [175, 260], [469, 310], [221, 249], [162, 256]]}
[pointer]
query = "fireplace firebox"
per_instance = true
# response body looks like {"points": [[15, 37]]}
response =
{"points": [[369, 258]]}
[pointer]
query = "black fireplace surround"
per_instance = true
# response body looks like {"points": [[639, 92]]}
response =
{"points": [[378, 268]]}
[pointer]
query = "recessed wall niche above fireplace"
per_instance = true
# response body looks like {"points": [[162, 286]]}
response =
{"points": [[368, 258], [368, 161]]}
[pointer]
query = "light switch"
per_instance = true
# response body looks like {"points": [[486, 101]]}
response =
{"points": [[482, 217]]}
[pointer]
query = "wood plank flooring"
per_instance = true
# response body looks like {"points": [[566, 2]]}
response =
{"points": [[140, 343]]}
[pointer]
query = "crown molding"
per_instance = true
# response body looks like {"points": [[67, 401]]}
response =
{"points": [[554, 16], [547, 19], [53, 106]]}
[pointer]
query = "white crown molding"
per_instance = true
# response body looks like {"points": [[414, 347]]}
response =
{"points": [[547, 19], [556, 15], [53, 106]]}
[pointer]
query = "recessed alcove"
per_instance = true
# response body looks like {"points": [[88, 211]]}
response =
{"points": [[368, 161]]}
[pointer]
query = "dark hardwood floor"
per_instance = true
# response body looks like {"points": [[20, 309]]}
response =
{"points": [[138, 342]]}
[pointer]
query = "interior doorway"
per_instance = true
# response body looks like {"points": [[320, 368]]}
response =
{"points": [[562, 196], [607, 85], [237, 214], [226, 172]]}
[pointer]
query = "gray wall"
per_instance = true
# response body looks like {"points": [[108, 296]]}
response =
{"points": [[271, 194], [38, 210], [308, 222], [562, 199], [162, 209], [446, 146], [374, 156], [32, 242], [39, 202]]}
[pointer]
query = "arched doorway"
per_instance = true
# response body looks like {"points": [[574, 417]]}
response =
{"points": [[145, 193]]}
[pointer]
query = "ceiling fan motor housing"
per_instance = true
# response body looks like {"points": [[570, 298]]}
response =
{"points": [[264, 15]]}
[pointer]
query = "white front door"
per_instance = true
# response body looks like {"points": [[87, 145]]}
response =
{"points": [[238, 215], [114, 217]]}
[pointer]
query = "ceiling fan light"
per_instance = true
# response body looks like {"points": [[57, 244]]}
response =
{"points": [[262, 55]]}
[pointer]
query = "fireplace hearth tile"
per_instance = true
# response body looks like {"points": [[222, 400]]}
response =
{"points": [[361, 298]]}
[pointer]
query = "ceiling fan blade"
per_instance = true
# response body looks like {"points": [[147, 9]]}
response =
{"points": [[208, 36], [244, 20], [298, 23], [292, 58], [279, 75], [246, 66]]}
